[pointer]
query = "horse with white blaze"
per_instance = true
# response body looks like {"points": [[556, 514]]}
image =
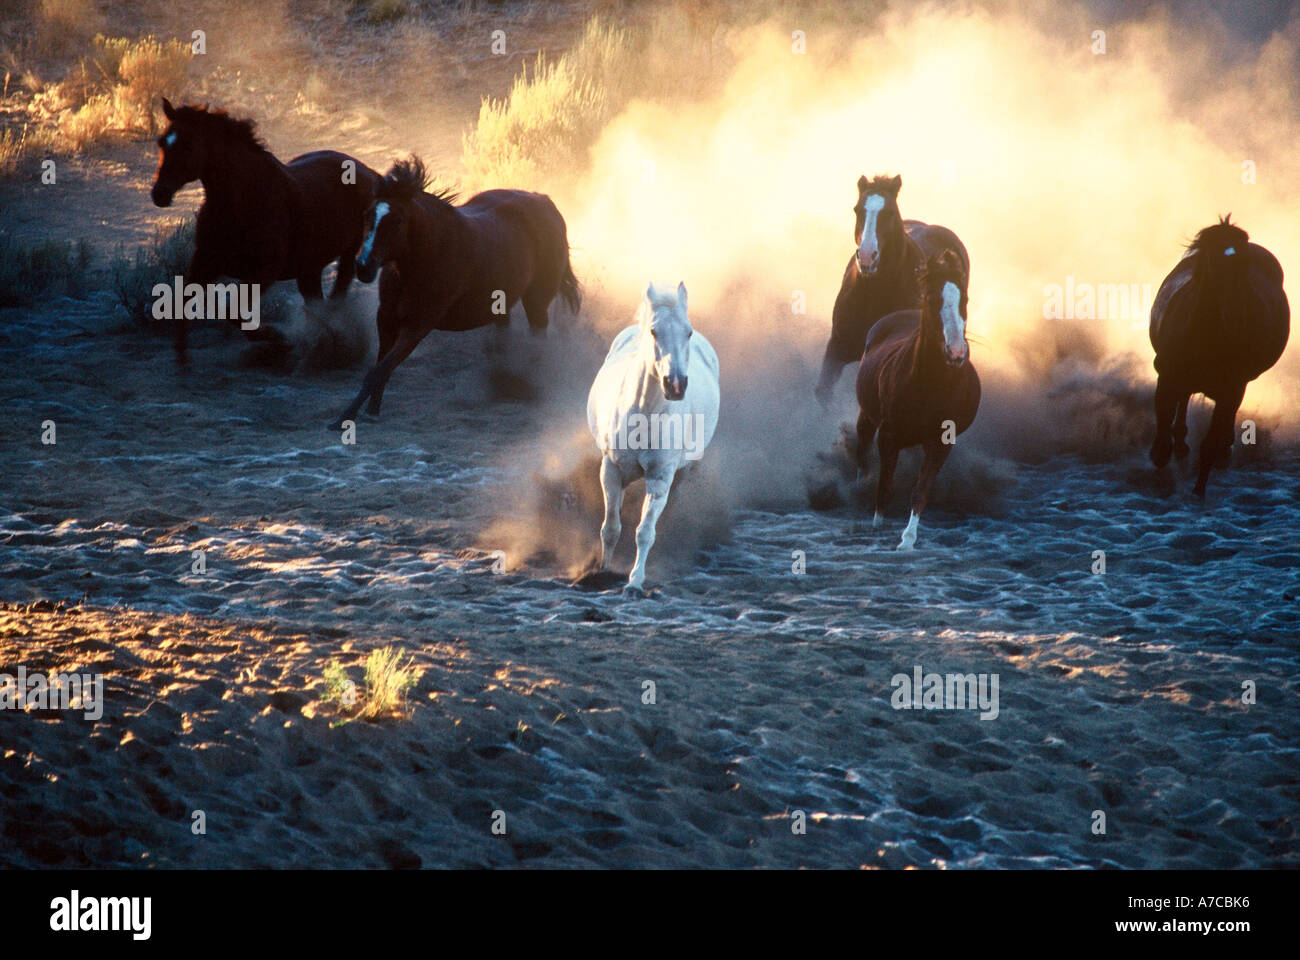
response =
{"points": [[645, 420]]}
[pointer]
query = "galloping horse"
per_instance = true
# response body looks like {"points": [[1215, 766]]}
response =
{"points": [[644, 419], [881, 276], [917, 385], [261, 220], [456, 268], [1219, 320]]}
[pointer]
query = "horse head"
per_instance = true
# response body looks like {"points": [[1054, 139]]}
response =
{"points": [[666, 338], [1223, 260], [181, 153], [385, 237], [943, 284], [186, 144], [878, 227]]}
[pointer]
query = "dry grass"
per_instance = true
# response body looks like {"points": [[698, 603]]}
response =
{"points": [[134, 275], [387, 682], [34, 271], [553, 113], [122, 84]]}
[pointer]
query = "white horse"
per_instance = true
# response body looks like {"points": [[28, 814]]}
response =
{"points": [[644, 419]]}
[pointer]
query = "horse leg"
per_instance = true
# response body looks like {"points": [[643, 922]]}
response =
{"points": [[200, 271], [866, 433], [346, 271], [535, 308], [1180, 429], [935, 456], [888, 451], [612, 484], [832, 367], [387, 323], [310, 287], [1218, 438], [408, 338], [656, 498], [1166, 400]]}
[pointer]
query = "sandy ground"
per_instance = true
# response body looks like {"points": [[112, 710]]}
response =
{"points": [[1120, 693]]}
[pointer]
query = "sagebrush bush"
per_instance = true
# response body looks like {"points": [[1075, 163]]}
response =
{"points": [[34, 271], [134, 273], [115, 92]]}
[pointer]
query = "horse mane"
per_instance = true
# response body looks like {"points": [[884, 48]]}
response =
{"points": [[1215, 237], [407, 178], [233, 128], [878, 184], [947, 266]]}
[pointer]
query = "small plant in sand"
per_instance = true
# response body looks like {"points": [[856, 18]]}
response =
{"points": [[134, 274], [32, 271], [387, 682]]}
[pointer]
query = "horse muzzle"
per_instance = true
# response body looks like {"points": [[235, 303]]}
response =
{"points": [[161, 195], [869, 266], [366, 270], [956, 360], [674, 387]]}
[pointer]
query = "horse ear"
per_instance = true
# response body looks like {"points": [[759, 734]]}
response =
{"points": [[650, 290], [168, 110], [896, 184], [681, 294], [862, 183]]}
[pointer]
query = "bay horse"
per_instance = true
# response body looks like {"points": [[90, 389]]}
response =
{"points": [[645, 421], [261, 220], [916, 384], [881, 276], [449, 267], [1219, 320]]}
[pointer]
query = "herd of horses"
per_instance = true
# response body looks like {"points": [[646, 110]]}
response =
{"points": [[1219, 320]]}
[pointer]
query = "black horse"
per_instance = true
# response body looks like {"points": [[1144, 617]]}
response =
{"points": [[455, 268], [1219, 320], [261, 220], [881, 277]]}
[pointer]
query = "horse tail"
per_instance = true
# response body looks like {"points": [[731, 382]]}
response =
{"points": [[569, 288]]}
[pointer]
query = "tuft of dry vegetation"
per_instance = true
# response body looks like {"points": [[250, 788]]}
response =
{"points": [[34, 271], [109, 93], [553, 113], [134, 274], [387, 682]]}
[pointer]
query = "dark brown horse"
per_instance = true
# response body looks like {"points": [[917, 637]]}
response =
{"points": [[451, 267], [916, 384], [881, 276], [261, 220], [1219, 320]]}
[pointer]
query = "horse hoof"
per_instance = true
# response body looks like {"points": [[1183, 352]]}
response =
{"points": [[877, 520], [631, 592], [1181, 450], [906, 546]]}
